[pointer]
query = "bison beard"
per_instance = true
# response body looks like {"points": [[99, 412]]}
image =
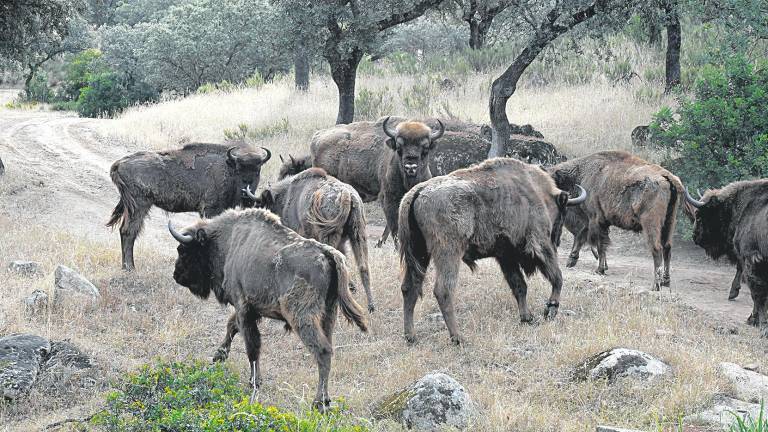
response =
{"points": [[263, 269], [733, 222], [493, 210]]}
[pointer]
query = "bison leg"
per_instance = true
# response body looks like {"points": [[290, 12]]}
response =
{"points": [[757, 279], [222, 353], [551, 271], [653, 236], [598, 236], [446, 276], [666, 279], [247, 319], [736, 284], [360, 250], [383, 238], [129, 230], [413, 281], [311, 334], [578, 242], [519, 287]]}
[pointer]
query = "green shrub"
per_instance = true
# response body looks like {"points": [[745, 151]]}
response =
{"points": [[255, 81], [244, 133], [721, 134], [104, 96], [202, 397], [419, 99], [80, 67], [372, 104]]}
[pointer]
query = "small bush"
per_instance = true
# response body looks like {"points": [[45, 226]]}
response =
{"points": [[721, 135], [244, 133], [372, 104], [202, 397], [104, 96], [255, 81], [419, 99]]}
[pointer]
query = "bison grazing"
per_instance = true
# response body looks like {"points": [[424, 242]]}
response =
{"points": [[627, 192], [262, 268], [205, 178], [318, 206], [502, 208], [733, 222]]}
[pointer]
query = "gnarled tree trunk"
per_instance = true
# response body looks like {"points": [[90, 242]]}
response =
{"points": [[674, 41], [344, 73]]}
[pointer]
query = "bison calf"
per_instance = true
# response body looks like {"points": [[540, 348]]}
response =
{"points": [[204, 178], [262, 268], [503, 209], [733, 222], [626, 192]]}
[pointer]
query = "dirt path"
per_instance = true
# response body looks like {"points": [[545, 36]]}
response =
{"points": [[58, 174]]}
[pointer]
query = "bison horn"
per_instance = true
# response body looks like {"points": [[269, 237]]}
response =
{"points": [[693, 201], [281, 159], [230, 156], [181, 238], [293, 161], [269, 155], [390, 133], [250, 194], [435, 135], [579, 199]]}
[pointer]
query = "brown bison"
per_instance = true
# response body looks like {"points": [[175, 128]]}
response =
{"points": [[318, 206], [733, 222], [264, 269], [626, 192], [502, 208], [204, 178]]}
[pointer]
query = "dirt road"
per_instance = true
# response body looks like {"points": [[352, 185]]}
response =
{"points": [[58, 174]]}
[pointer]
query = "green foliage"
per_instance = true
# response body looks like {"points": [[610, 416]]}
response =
{"points": [[255, 81], [78, 70], [202, 397], [372, 104], [244, 133], [748, 424], [103, 96], [38, 88], [721, 135]]}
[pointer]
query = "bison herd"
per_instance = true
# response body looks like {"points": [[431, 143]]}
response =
{"points": [[276, 253]]}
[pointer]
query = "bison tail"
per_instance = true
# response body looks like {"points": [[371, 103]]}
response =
{"points": [[328, 226], [562, 211], [409, 234], [351, 310], [126, 206], [669, 219]]}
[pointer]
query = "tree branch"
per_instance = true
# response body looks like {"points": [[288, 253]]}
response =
{"points": [[399, 18]]}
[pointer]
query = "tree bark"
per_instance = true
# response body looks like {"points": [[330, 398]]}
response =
{"points": [[301, 69], [344, 73], [505, 85], [674, 41], [475, 41]]}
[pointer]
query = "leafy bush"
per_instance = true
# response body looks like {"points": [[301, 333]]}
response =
{"points": [[103, 96], [78, 71], [721, 135], [201, 397], [372, 104]]}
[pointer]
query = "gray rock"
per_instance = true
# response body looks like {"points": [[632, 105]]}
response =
{"points": [[66, 370], [70, 285], [434, 401], [750, 386], [614, 429], [533, 150], [26, 268], [36, 303], [722, 412], [20, 359], [620, 363]]}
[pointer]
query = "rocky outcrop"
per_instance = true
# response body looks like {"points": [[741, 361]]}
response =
{"points": [[749, 386], [723, 413], [621, 363], [20, 359], [433, 402], [70, 286]]}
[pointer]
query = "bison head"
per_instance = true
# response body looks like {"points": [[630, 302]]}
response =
{"points": [[246, 165], [412, 141], [711, 219], [293, 166], [193, 265]]}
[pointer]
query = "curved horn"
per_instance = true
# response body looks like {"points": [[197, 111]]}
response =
{"points": [[230, 156], [691, 200], [435, 135], [250, 194], [579, 199], [281, 159], [269, 155], [181, 238], [390, 133], [293, 161]]}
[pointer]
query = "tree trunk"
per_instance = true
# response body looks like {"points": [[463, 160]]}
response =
{"points": [[344, 73], [674, 40], [301, 69], [478, 31], [28, 81]]}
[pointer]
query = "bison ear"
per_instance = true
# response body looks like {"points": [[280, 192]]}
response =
{"points": [[267, 199], [201, 237], [391, 143]]}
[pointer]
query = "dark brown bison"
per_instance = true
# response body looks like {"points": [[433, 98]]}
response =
{"points": [[733, 222], [249, 260], [318, 206], [501, 208], [204, 178], [626, 192]]}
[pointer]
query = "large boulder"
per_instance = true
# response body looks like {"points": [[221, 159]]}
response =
{"points": [[723, 413], [621, 363], [26, 268], [20, 360], [750, 386], [433, 402], [70, 285]]}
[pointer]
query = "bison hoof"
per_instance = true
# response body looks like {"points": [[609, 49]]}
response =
{"points": [[733, 294], [526, 318], [752, 321], [321, 405], [600, 271], [665, 281], [410, 339], [550, 313], [457, 340], [371, 308], [221, 355], [571, 261]]}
